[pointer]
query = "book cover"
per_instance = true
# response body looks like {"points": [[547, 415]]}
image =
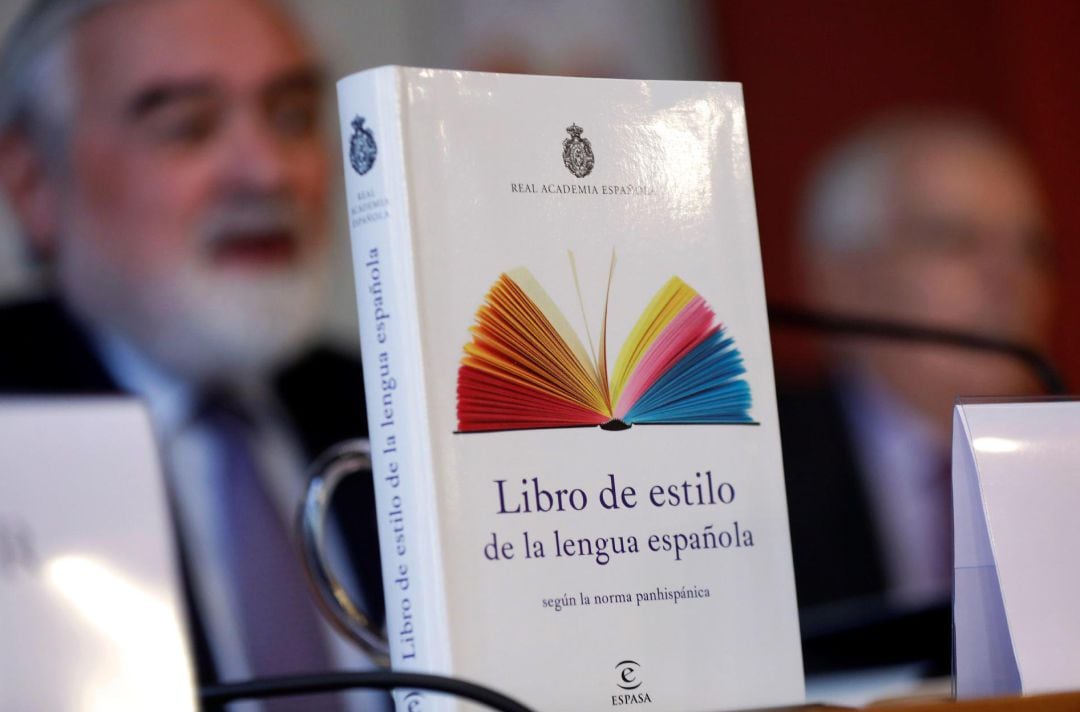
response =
{"points": [[569, 389]]}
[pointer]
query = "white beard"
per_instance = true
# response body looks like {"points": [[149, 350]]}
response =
{"points": [[202, 324]]}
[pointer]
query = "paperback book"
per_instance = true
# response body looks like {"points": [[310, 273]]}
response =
{"points": [[569, 389]]}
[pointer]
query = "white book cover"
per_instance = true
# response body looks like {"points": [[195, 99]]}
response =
{"points": [[570, 389]]}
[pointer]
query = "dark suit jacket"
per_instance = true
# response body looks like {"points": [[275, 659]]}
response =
{"points": [[836, 549], [44, 351], [840, 572]]}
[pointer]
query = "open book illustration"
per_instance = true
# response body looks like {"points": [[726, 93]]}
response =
{"points": [[526, 368]]}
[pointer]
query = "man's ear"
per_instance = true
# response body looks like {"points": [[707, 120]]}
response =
{"points": [[30, 190]]}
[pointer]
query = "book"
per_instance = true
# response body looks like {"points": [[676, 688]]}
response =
{"points": [[645, 562]]}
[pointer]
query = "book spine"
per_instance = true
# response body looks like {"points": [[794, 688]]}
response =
{"points": [[376, 182]]}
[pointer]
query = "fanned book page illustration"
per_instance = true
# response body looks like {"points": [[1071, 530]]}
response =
{"points": [[526, 368]]}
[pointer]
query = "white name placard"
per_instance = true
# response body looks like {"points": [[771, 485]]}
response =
{"points": [[1016, 503], [90, 603]]}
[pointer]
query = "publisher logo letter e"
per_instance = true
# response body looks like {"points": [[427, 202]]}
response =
{"points": [[628, 672]]}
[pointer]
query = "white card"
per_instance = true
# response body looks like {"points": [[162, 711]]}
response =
{"points": [[90, 597], [1016, 500]]}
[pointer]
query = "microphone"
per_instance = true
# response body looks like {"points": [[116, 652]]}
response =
{"points": [[860, 327], [288, 685]]}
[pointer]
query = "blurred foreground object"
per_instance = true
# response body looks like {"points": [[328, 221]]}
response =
{"points": [[92, 616]]}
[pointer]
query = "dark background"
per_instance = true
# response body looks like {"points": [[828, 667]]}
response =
{"points": [[813, 71]]}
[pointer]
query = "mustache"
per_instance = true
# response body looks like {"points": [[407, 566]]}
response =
{"points": [[252, 219]]}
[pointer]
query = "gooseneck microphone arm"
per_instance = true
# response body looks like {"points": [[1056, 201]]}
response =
{"points": [[284, 686], [837, 324]]}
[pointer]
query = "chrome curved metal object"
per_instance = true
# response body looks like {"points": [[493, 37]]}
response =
{"points": [[351, 458]]}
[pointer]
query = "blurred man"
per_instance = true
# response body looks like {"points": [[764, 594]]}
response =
{"points": [[166, 159], [934, 222]]}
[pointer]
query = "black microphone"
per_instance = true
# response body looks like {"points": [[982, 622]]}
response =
{"points": [[288, 685], [861, 327]]}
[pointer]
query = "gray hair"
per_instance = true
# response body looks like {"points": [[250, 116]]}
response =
{"points": [[36, 90], [847, 197]]}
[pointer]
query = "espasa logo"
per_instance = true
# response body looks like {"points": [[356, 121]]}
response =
{"points": [[628, 678], [362, 147]]}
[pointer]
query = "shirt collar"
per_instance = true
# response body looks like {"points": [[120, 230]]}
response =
{"points": [[169, 399], [173, 402], [890, 430]]}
